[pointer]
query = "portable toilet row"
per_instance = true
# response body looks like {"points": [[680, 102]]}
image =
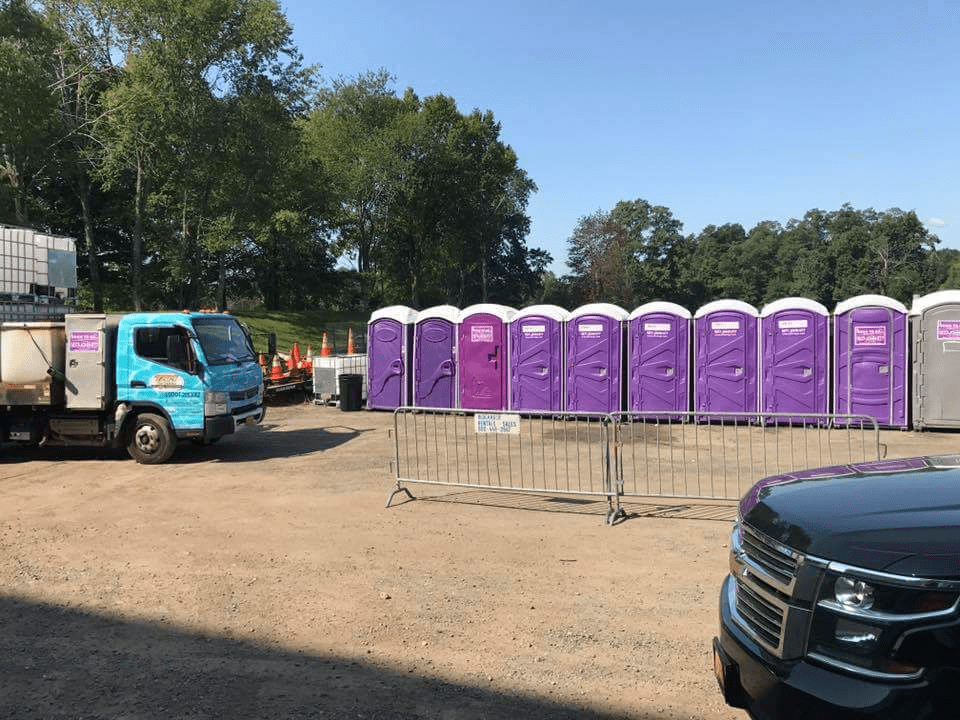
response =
{"points": [[600, 359]]}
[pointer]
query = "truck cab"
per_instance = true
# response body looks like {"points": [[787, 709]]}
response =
{"points": [[184, 376], [843, 598]]}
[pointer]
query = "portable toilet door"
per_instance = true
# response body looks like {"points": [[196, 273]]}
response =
{"points": [[536, 358], [435, 357], [659, 358], [389, 347], [870, 359], [795, 359], [725, 357], [594, 357], [935, 322], [482, 344]]}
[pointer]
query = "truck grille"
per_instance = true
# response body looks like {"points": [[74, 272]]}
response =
{"points": [[762, 619], [775, 561], [241, 395], [765, 577]]}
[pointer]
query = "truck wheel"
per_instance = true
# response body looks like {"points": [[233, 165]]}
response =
{"points": [[151, 441]]}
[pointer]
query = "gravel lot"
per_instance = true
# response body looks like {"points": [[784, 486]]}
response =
{"points": [[262, 577]]}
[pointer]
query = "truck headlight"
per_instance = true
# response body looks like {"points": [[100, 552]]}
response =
{"points": [[215, 402], [852, 593], [861, 620]]}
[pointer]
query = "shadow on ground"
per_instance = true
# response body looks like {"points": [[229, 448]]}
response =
{"points": [[262, 442], [581, 505], [58, 663]]}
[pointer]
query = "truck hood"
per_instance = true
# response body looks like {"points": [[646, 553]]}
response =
{"points": [[234, 376], [898, 516]]}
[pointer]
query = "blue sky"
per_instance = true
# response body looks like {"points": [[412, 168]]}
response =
{"points": [[723, 112]]}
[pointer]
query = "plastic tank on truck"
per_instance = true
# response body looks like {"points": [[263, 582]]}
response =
{"points": [[142, 381]]}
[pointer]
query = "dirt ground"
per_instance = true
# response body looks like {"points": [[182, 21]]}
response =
{"points": [[262, 577]]}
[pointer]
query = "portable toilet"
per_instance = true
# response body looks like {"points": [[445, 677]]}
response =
{"points": [[935, 326], [795, 358], [725, 357], [482, 350], [870, 359], [659, 358], [536, 358], [594, 358], [389, 348], [435, 357]]}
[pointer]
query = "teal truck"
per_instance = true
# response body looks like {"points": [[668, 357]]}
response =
{"points": [[140, 381]]}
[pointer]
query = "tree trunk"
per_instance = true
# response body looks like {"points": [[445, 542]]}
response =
{"points": [[93, 262], [140, 202]]}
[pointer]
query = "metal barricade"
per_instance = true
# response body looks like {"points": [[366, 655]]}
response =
{"points": [[554, 453], [671, 455], [687, 455]]}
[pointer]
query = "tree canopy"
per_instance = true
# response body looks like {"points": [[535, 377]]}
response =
{"points": [[199, 161]]}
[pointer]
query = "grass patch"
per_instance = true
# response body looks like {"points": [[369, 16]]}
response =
{"points": [[307, 328]]}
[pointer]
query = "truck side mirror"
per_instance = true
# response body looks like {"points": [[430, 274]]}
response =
{"points": [[178, 352]]}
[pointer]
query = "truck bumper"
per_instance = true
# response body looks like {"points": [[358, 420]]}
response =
{"points": [[216, 427], [771, 689]]}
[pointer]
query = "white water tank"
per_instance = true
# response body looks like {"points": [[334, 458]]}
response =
{"points": [[28, 349]]}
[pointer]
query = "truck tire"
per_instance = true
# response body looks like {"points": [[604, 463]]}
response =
{"points": [[151, 440]]}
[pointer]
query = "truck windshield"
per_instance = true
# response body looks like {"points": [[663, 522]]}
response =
{"points": [[222, 339]]}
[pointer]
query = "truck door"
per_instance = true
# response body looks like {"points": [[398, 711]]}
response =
{"points": [[147, 376]]}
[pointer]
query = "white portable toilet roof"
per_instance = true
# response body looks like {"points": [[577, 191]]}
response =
{"points": [[501, 311], [444, 312], [400, 313], [941, 297], [554, 312], [608, 309], [661, 306], [793, 303], [716, 305], [859, 301]]}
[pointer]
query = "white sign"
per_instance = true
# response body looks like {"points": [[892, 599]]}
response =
{"points": [[481, 333], [501, 424], [791, 324], [536, 330], [166, 381]]}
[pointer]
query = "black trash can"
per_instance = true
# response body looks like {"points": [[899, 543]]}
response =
{"points": [[351, 391]]}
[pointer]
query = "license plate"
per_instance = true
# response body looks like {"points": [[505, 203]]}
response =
{"points": [[719, 668]]}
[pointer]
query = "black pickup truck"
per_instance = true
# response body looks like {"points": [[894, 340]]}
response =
{"points": [[843, 598]]}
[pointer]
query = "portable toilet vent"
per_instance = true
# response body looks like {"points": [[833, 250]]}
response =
{"points": [[594, 357], [659, 358], [935, 323], [536, 358], [795, 359], [725, 359], [482, 350], [435, 357], [389, 349], [870, 359]]}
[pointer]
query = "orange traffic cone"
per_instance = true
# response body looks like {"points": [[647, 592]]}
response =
{"points": [[324, 348], [263, 363], [276, 372], [295, 356], [350, 349], [307, 363]]}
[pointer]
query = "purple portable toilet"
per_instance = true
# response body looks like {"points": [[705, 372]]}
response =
{"points": [[795, 358], [725, 358], [935, 329], [435, 357], [870, 359], [536, 358], [594, 357], [482, 343], [659, 358], [389, 346]]}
